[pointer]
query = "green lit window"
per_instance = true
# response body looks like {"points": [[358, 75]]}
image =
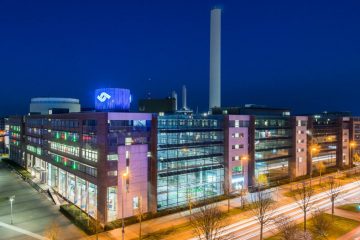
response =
{"points": [[237, 169]]}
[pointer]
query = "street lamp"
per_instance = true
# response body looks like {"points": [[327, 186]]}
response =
{"points": [[123, 176], [11, 199], [245, 158], [352, 146], [313, 149], [244, 163]]}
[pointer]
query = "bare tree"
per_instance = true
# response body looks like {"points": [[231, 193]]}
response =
{"points": [[303, 235], [356, 157], [262, 180], [139, 213], [262, 207], [242, 195], [302, 196], [189, 200], [208, 223], [227, 193], [286, 227], [321, 224], [321, 167], [333, 191]]}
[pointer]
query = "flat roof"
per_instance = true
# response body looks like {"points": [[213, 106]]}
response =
{"points": [[54, 100]]}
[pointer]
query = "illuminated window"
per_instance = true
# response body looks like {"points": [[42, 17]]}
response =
{"points": [[65, 148], [237, 146], [136, 202], [238, 135], [128, 141], [112, 173], [237, 123], [90, 155], [112, 157], [237, 169]]}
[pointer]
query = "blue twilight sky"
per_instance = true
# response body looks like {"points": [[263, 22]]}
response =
{"points": [[304, 55]]}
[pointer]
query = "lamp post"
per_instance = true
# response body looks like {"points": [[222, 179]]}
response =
{"points": [[352, 146], [244, 165], [124, 178], [313, 149], [11, 199]]}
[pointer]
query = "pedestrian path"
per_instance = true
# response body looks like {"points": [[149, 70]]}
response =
{"points": [[354, 235], [34, 215], [23, 231]]}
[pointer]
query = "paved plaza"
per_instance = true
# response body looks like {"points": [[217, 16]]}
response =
{"points": [[33, 214]]}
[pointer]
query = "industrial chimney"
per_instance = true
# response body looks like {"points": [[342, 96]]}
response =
{"points": [[174, 95], [215, 59], [184, 107]]}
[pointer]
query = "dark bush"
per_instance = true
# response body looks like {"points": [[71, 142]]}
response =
{"points": [[81, 219]]}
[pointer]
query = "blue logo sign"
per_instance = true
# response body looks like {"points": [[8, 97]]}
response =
{"points": [[112, 99], [103, 96]]}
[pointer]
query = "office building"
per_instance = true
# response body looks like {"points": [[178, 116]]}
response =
{"points": [[77, 154], [188, 162], [262, 138], [328, 140], [4, 136], [54, 105], [97, 160], [16, 139], [355, 137]]}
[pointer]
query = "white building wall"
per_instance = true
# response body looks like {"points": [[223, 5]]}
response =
{"points": [[238, 157], [137, 187], [300, 146], [345, 146]]}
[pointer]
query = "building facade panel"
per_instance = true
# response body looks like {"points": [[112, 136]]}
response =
{"points": [[133, 180], [298, 163], [190, 159], [237, 151]]}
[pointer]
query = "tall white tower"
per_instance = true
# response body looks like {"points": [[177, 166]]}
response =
{"points": [[184, 104], [174, 95], [215, 59]]}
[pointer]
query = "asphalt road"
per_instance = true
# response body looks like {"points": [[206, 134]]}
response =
{"points": [[33, 214], [249, 228]]}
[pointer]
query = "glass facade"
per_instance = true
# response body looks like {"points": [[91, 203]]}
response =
{"points": [[273, 144], [112, 206], [190, 160], [126, 132], [325, 134], [15, 142], [77, 190]]}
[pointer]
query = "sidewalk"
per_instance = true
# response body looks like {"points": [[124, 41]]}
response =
{"points": [[355, 233], [33, 213], [347, 214]]}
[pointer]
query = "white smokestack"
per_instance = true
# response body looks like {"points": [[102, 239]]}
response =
{"points": [[174, 95], [184, 106], [215, 58]]}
